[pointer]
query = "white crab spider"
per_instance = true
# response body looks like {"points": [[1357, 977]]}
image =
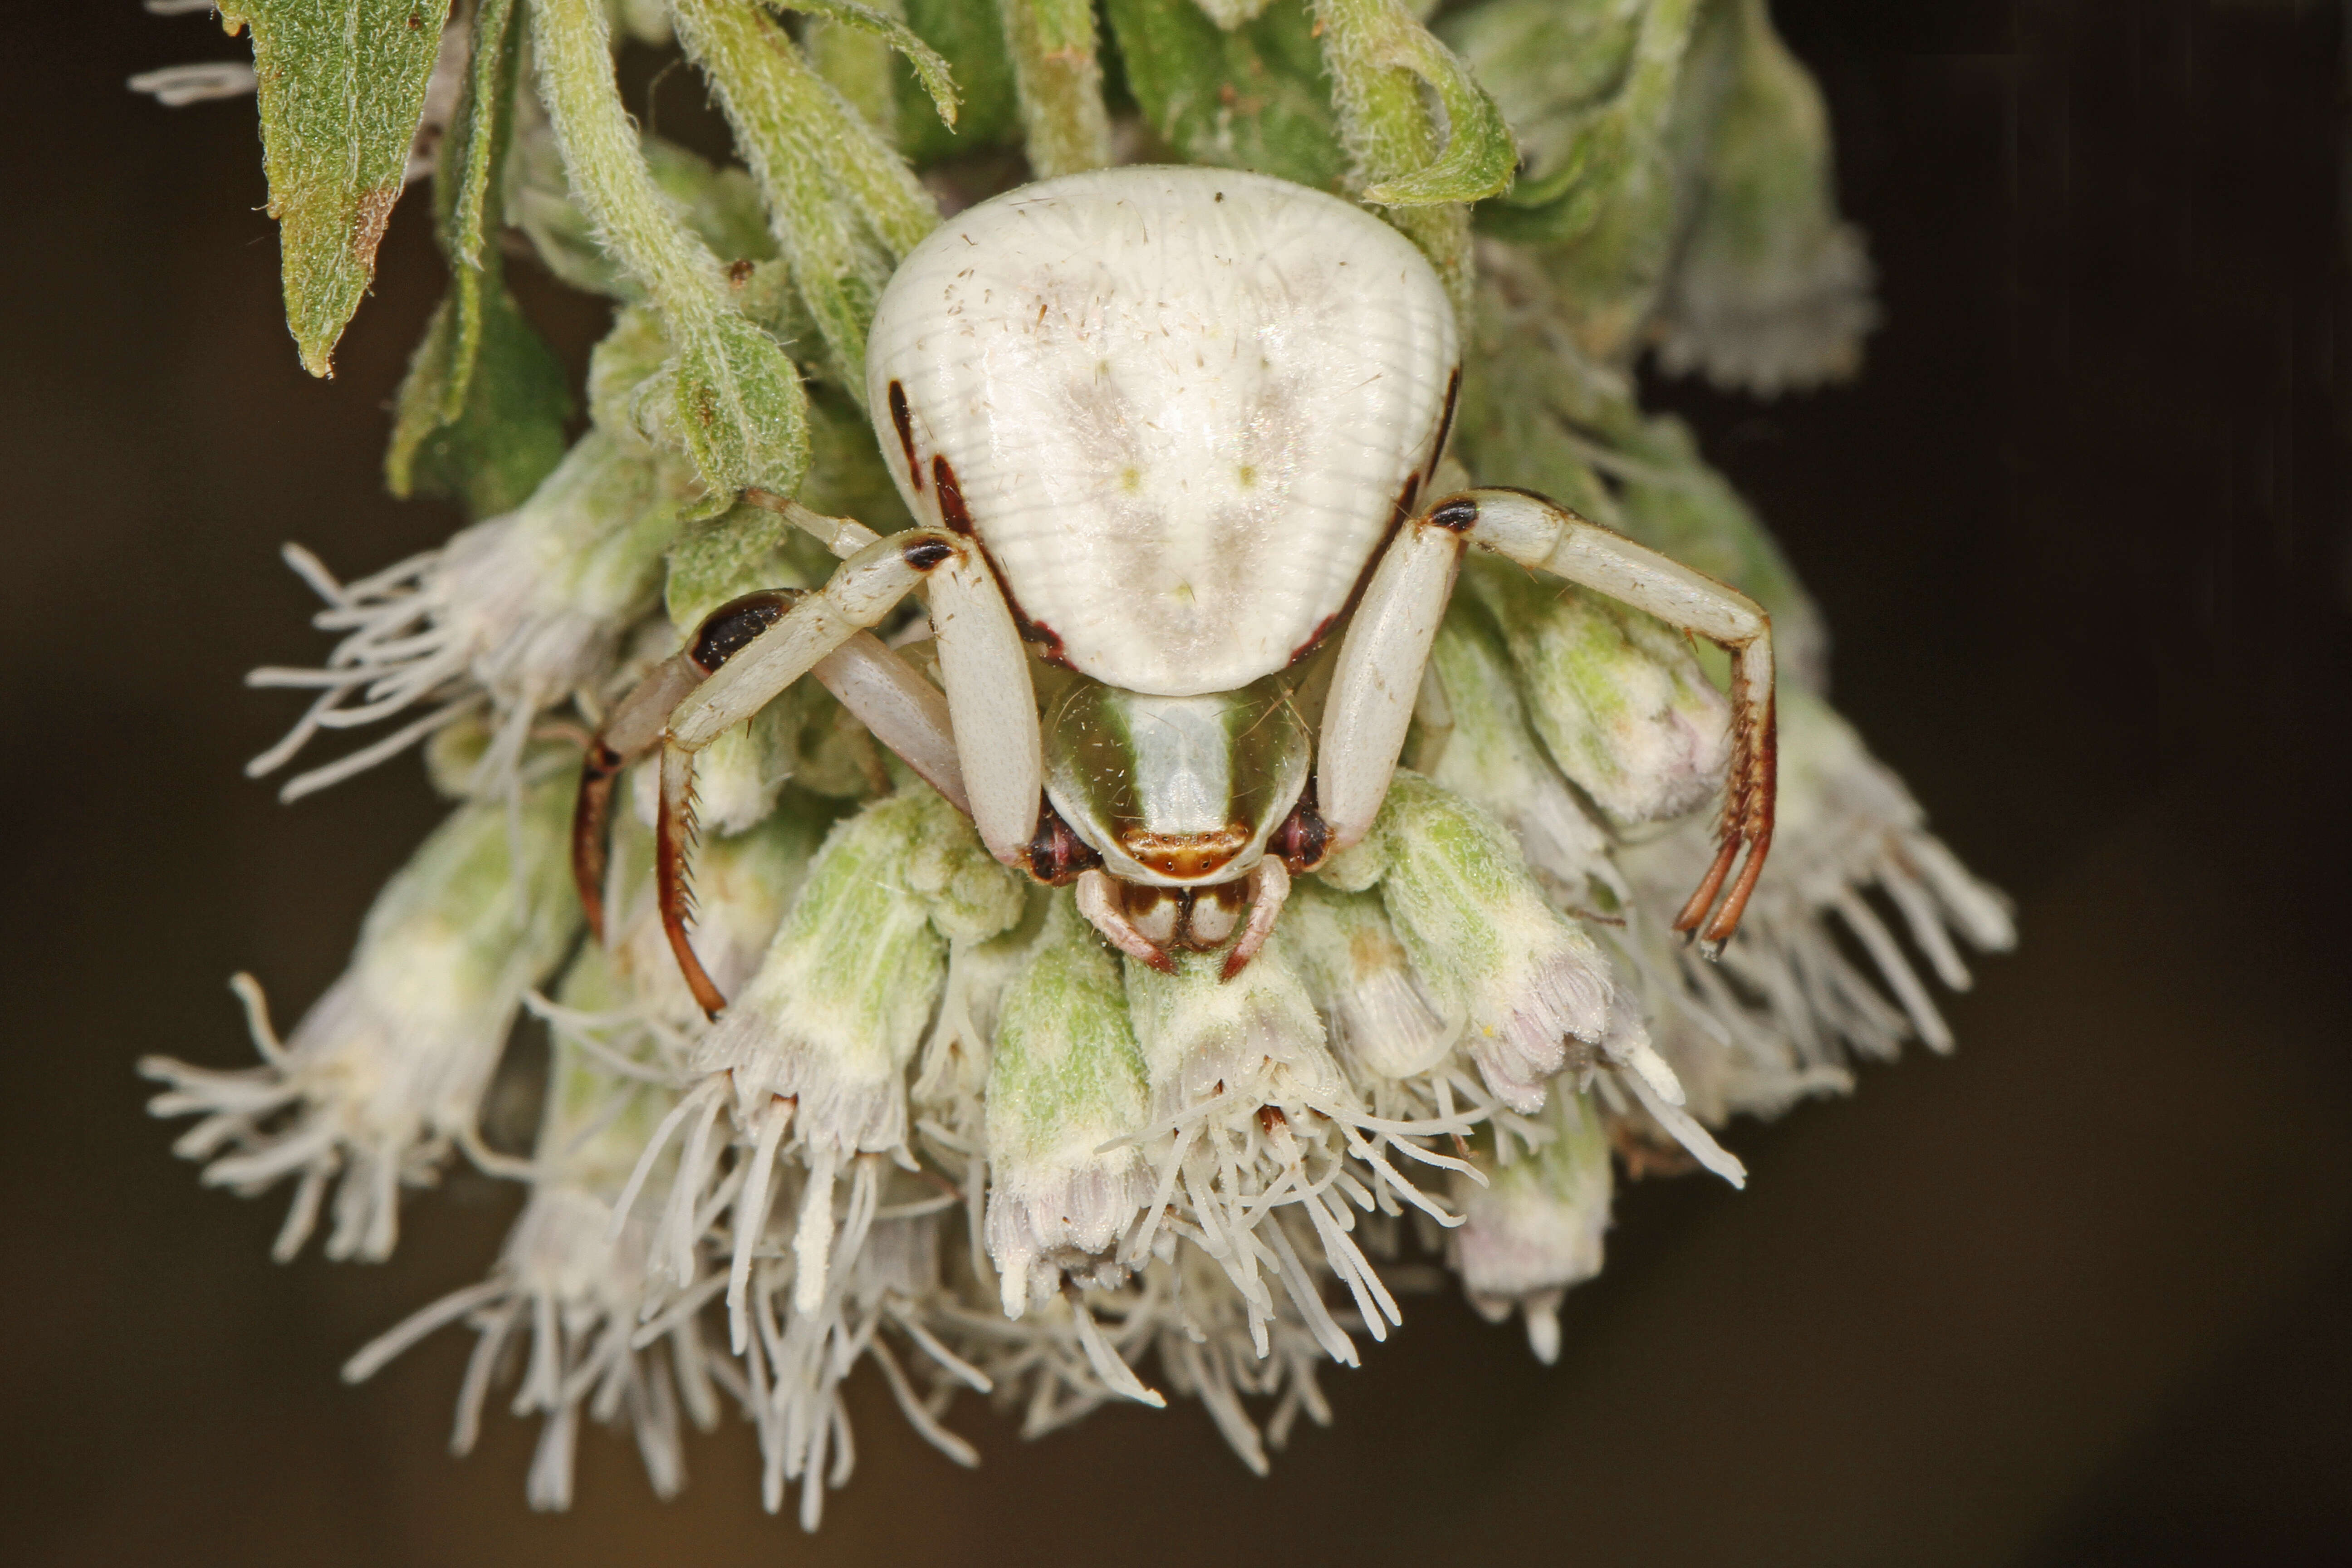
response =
{"points": [[1170, 426]]}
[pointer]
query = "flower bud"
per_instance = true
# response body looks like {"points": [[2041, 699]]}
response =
{"points": [[817, 1045], [525, 610], [1672, 499], [1620, 702], [620, 369], [1535, 1228], [1255, 1038], [1481, 936], [1770, 290], [1494, 759], [840, 1002], [1067, 1079], [721, 205], [1384, 1021]]}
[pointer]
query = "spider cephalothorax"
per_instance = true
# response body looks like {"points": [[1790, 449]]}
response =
{"points": [[1170, 428]]}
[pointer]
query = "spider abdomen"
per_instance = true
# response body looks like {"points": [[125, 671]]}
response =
{"points": [[1179, 408]]}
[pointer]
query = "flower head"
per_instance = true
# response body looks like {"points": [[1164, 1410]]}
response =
{"points": [[929, 1118], [386, 1071]]}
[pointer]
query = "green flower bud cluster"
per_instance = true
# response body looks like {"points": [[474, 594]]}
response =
{"points": [[940, 1124]]}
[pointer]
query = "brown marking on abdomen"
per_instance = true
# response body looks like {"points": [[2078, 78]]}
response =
{"points": [[958, 517], [1399, 510], [952, 511], [1048, 640], [904, 422]]}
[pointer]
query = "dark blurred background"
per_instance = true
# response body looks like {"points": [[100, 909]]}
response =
{"points": [[2080, 1294]]}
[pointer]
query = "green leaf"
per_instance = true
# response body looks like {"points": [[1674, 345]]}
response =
{"points": [[1480, 156], [480, 415], [971, 40], [843, 204], [930, 68], [739, 404], [342, 90], [1595, 130], [737, 399], [508, 433], [718, 201], [1379, 57], [1250, 98], [1058, 76], [720, 558], [721, 205], [466, 187], [1550, 65]]}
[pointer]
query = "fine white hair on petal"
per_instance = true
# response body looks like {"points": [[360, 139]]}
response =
{"points": [[1210, 1342], [389, 1067], [571, 1286], [360, 1083], [1787, 1007], [1268, 1162], [524, 610], [883, 1274]]}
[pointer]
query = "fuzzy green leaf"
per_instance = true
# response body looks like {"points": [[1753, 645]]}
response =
{"points": [[480, 415], [1480, 156], [1059, 77], [930, 68], [971, 39], [1589, 155], [739, 406], [720, 558], [843, 204], [508, 432], [1248, 98], [1378, 54], [342, 90], [735, 396], [466, 185]]}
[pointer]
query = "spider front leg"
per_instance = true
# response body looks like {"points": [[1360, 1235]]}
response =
{"points": [[1378, 674], [742, 657], [902, 710]]}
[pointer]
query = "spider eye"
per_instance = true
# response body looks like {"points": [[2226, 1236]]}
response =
{"points": [[727, 628]]}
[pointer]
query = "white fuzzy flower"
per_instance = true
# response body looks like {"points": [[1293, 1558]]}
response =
{"points": [[571, 1290], [1482, 936], [1065, 1093], [810, 1061], [1619, 701], [1534, 1228], [518, 614], [388, 1068], [884, 1274], [1492, 758], [1257, 1121], [1787, 1007]]}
